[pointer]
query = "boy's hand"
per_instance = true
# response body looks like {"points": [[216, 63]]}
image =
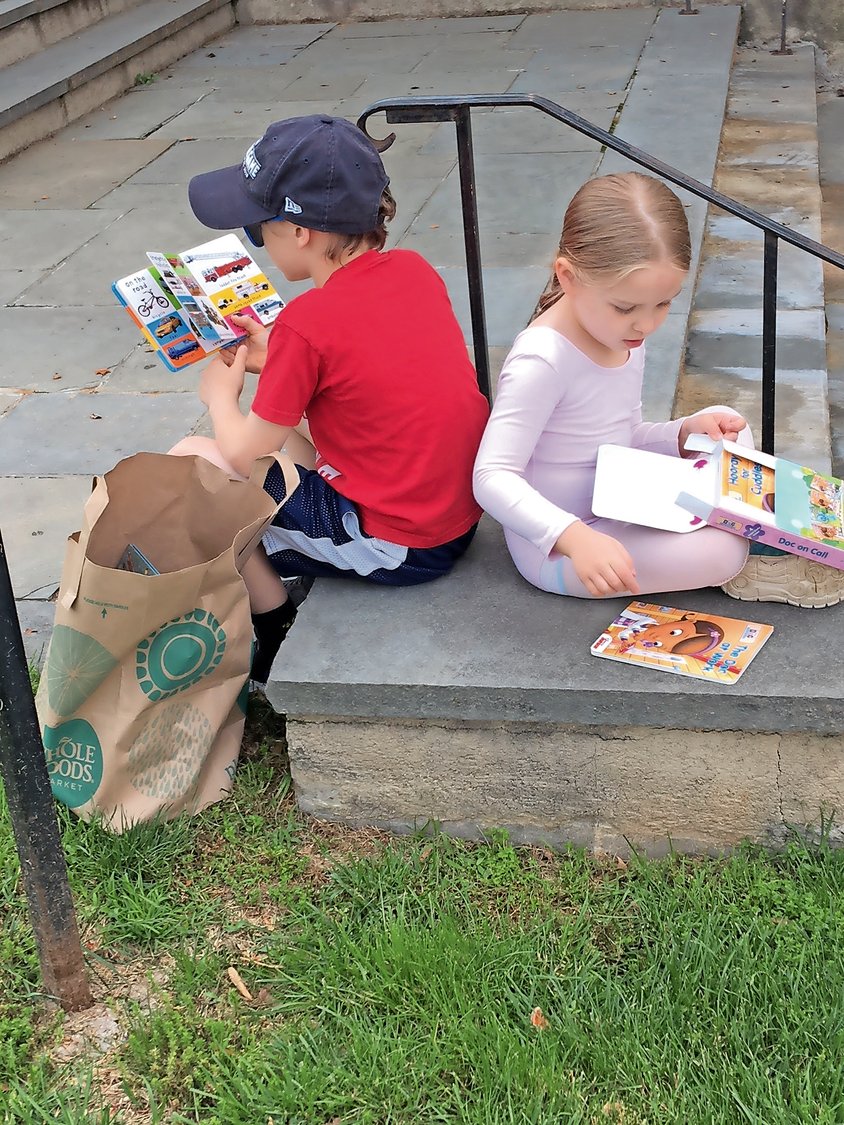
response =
{"points": [[600, 562], [718, 425], [222, 382], [255, 342]]}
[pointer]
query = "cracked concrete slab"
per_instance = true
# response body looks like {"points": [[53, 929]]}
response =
{"points": [[72, 174], [8, 402], [217, 116], [105, 428], [71, 342], [458, 25], [15, 282], [39, 242], [38, 515], [183, 159], [119, 250], [138, 113]]}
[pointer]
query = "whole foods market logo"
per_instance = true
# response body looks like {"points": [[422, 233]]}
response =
{"points": [[74, 761]]}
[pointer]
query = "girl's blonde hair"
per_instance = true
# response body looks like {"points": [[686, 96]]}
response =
{"points": [[617, 224]]}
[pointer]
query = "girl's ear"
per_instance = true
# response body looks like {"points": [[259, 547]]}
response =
{"points": [[564, 272]]}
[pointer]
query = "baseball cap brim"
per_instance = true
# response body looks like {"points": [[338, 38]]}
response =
{"points": [[218, 200]]}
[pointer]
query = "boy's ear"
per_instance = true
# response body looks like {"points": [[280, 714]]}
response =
{"points": [[303, 237]]}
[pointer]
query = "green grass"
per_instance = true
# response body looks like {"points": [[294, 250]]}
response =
{"points": [[393, 981]]}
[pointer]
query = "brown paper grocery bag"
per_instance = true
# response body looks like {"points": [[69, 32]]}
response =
{"points": [[142, 699]]}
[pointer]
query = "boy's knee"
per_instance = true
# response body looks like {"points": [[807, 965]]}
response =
{"points": [[192, 447]]}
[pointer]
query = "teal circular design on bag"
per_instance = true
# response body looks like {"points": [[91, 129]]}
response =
{"points": [[74, 761], [179, 654]]}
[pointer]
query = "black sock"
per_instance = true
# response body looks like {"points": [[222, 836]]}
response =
{"points": [[270, 630]]}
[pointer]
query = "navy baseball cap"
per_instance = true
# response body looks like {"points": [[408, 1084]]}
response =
{"points": [[321, 172]]}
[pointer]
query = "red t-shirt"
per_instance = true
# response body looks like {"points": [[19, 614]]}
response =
{"points": [[378, 361]]}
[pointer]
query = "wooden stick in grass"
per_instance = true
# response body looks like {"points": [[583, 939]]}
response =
{"points": [[237, 981]]}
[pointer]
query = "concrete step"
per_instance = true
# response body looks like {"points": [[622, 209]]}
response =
{"points": [[28, 26], [60, 83], [769, 161]]}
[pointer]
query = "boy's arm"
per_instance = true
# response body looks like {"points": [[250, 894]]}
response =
{"points": [[241, 439]]}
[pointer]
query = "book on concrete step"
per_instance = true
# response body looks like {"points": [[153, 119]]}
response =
{"points": [[183, 303], [701, 645], [729, 486]]}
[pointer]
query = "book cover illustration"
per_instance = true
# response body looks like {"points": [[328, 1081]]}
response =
{"points": [[183, 303], [800, 500], [700, 645], [729, 486]]}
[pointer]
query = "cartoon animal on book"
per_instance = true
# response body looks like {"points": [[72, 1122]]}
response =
{"points": [[691, 635]]}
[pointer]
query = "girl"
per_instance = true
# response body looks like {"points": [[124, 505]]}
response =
{"points": [[573, 381]]}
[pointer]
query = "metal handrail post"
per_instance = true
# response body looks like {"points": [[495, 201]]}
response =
{"points": [[769, 340], [23, 767], [471, 237]]}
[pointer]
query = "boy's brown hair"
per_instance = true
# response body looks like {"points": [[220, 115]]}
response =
{"points": [[341, 244]]}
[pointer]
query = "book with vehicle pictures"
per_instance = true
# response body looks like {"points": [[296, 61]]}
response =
{"points": [[183, 303]]}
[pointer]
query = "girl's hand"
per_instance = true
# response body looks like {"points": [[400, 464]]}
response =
{"points": [[600, 562], [255, 342], [718, 424], [223, 381]]}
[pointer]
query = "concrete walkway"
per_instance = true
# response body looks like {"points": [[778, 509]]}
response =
{"points": [[82, 208]]}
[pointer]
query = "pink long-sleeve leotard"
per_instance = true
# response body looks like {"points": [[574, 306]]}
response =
{"points": [[535, 468]]}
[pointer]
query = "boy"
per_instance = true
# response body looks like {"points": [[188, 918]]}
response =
{"points": [[372, 354]]}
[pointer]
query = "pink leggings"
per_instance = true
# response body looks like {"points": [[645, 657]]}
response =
{"points": [[664, 560]]}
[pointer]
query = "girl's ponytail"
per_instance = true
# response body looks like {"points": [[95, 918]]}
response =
{"points": [[549, 295]]}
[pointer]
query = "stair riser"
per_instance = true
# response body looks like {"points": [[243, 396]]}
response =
{"points": [[24, 38], [111, 80]]}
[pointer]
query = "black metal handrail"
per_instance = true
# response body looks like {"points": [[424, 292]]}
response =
{"points": [[458, 107]]}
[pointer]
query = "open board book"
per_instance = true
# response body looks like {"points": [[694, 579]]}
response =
{"points": [[741, 490], [701, 645], [183, 303]]}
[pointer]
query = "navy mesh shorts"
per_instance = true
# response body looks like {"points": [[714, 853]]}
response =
{"points": [[318, 533]]}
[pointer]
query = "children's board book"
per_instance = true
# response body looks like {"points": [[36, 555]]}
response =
{"points": [[183, 303], [135, 561], [700, 645], [741, 490]]}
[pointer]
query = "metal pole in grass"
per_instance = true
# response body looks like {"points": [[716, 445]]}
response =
{"points": [[24, 771]]}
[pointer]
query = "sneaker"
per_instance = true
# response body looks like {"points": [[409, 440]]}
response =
{"points": [[787, 578], [298, 588]]}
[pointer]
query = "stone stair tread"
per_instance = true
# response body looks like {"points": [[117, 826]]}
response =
{"points": [[480, 645], [13, 11], [66, 65]]}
